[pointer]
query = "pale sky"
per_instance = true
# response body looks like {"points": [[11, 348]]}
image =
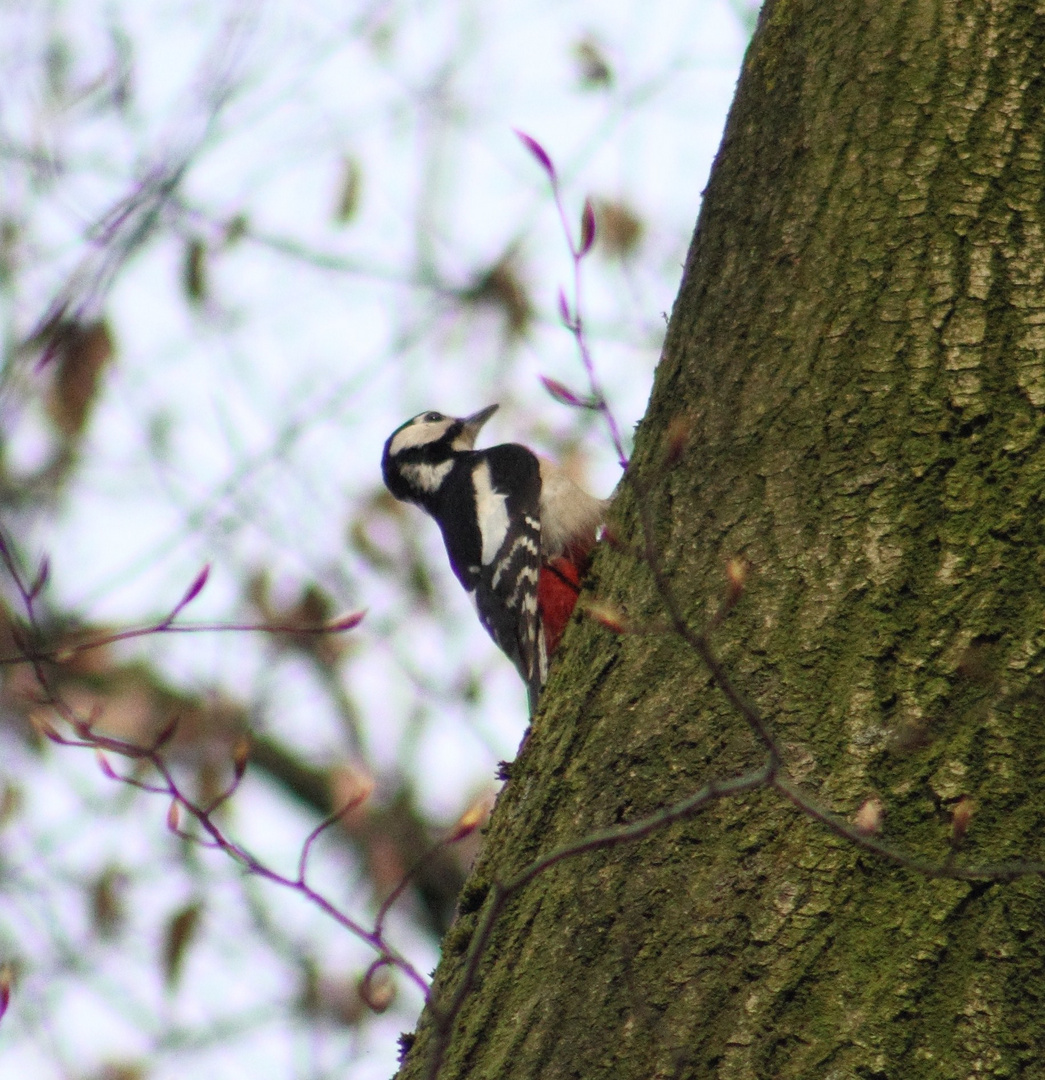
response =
{"points": [[247, 431]]}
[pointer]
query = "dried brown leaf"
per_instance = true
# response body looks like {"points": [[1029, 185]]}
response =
{"points": [[179, 934]]}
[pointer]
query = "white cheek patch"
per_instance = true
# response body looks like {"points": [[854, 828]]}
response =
{"points": [[492, 511], [464, 441], [418, 435], [427, 477]]}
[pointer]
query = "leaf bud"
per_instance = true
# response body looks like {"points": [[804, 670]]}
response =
{"points": [[868, 819]]}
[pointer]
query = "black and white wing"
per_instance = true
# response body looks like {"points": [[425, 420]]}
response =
{"points": [[507, 484]]}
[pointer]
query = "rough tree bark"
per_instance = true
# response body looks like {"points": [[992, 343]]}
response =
{"points": [[858, 350]]}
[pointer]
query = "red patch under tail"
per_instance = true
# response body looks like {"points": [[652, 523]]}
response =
{"points": [[557, 591]]}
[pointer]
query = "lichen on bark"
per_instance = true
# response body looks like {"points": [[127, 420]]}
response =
{"points": [[858, 349]]}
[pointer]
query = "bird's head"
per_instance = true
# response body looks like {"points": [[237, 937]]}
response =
{"points": [[419, 454]]}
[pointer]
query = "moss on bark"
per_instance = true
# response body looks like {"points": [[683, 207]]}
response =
{"points": [[859, 349]]}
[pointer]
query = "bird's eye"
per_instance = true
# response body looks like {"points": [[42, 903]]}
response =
{"points": [[433, 417]]}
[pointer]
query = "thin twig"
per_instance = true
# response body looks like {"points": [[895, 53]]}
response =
{"points": [[502, 893]]}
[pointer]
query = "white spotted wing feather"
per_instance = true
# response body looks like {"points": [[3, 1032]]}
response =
{"points": [[506, 593]]}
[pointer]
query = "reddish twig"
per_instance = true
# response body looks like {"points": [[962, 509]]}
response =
{"points": [[213, 836], [571, 314]]}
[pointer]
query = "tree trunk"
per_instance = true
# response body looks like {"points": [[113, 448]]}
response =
{"points": [[858, 357]]}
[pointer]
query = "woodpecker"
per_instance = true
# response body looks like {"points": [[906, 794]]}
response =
{"points": [[519, 532]]}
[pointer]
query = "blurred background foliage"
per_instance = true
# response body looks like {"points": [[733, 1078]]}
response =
{"points": [[239, 244]]}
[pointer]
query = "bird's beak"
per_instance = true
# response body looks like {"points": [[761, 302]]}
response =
{"points": [[471, 427]]}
